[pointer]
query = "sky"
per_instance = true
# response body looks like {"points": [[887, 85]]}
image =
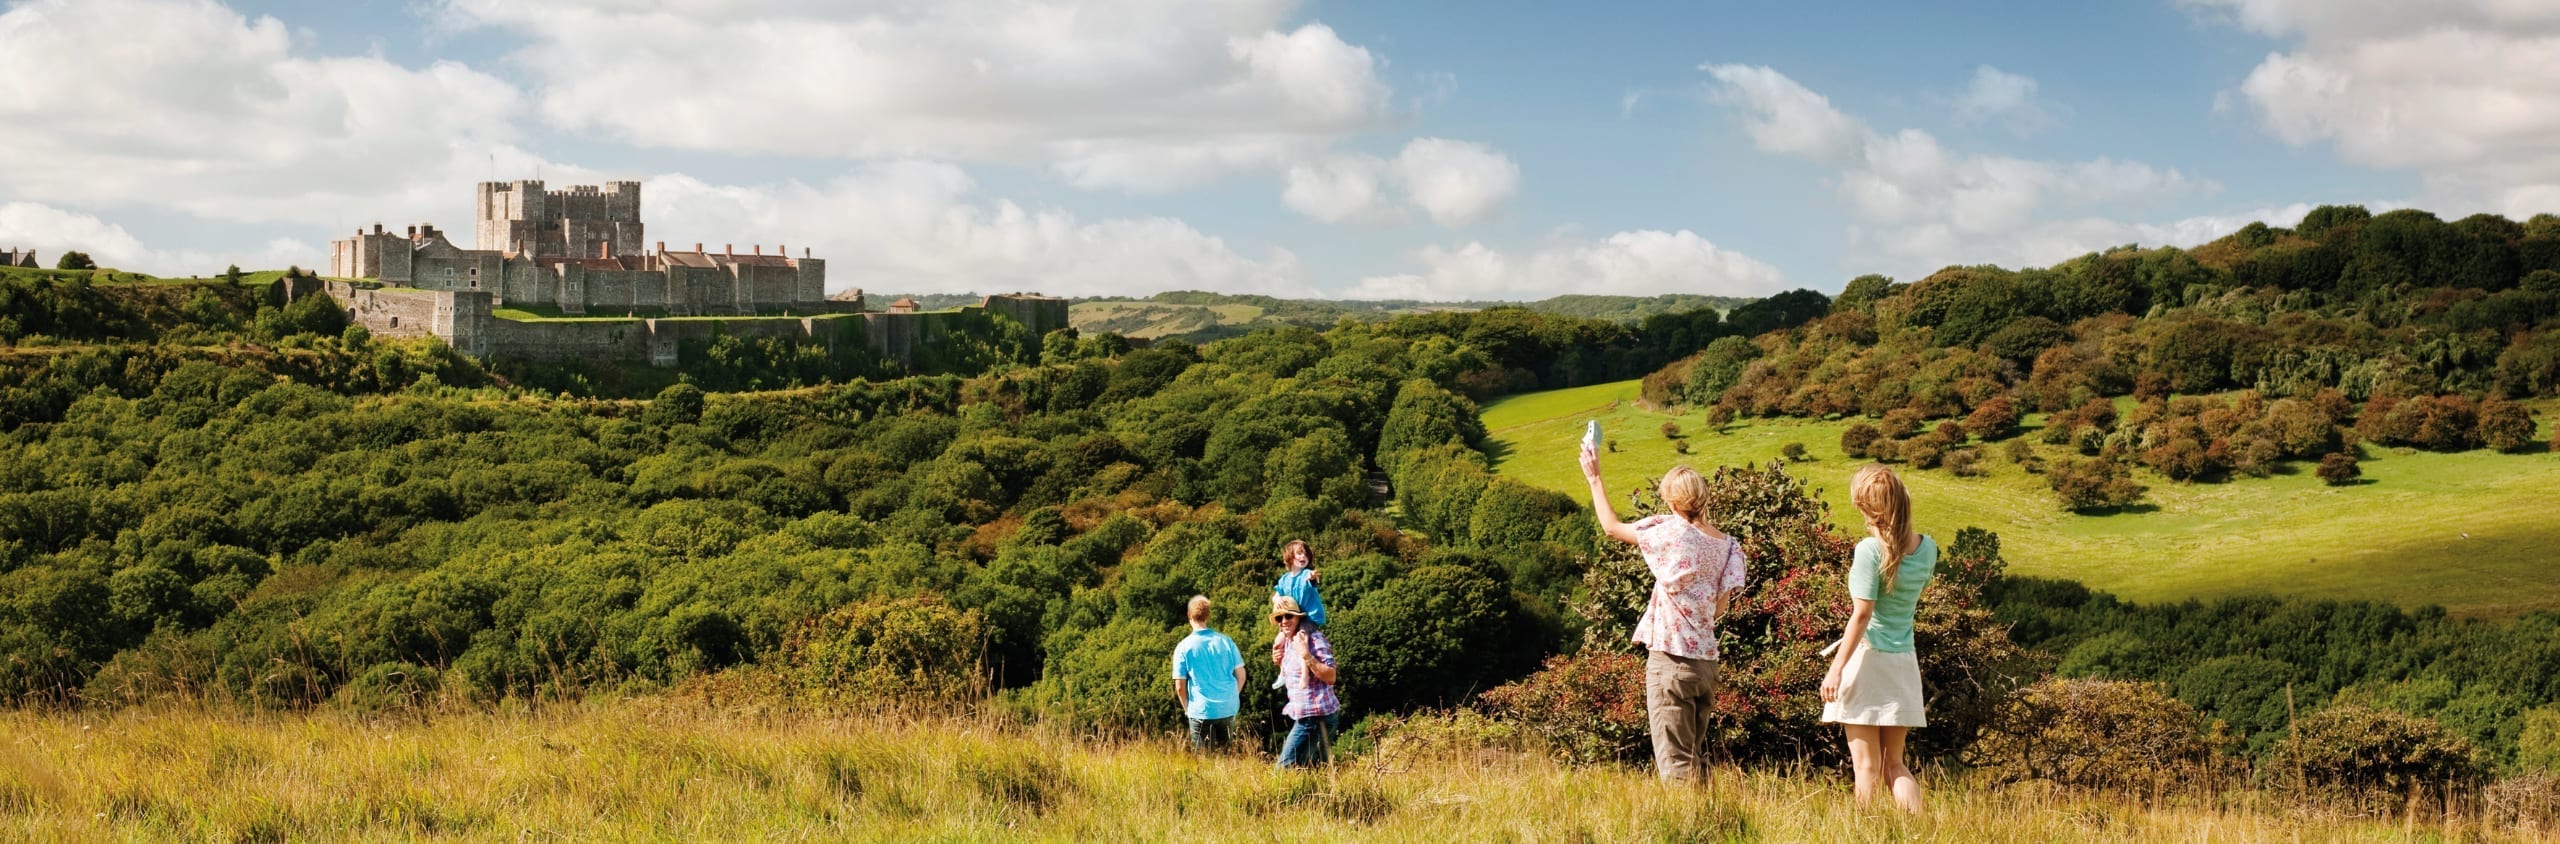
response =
{"points": [[1413, 149]]}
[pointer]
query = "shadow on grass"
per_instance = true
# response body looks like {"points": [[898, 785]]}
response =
{"points": [[2126, 510]]}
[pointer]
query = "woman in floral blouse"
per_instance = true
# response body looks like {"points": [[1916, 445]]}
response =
{"points": [[1696, 570]]}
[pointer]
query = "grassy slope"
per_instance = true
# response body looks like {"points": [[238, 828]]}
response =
{"points": [[654, 770], [2398, 537]]}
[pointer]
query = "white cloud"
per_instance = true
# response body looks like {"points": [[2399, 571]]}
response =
{"points": [[2465, 92], [1636, 263], [914, 226], [186, 104], [1456, 182], [52, 231], [2008, 98], [1921, 205], [1138, 94], [1338, 188]]}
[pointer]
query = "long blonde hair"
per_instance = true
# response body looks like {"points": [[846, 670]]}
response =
{"points": [[1684, 492], [1881, 498]]}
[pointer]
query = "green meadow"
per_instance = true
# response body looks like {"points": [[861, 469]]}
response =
{"points": [[2470, 531]]}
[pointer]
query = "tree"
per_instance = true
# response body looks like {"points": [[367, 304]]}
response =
{"points": [[1993, 420], [1718, 368], [1854, 442], [2505, 425], [1436, 636], [75, 261], [2339, 469], [2093, 484], [1794, 453]]}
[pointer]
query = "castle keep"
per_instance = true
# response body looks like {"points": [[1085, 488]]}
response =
{"points": [[578, 251]]}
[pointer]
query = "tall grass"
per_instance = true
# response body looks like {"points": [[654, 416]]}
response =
{"points": [[662, 768]]}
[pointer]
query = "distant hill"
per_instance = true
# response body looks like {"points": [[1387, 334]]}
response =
{"points": [[1201, 316]]}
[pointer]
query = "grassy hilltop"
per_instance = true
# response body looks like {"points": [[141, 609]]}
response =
{"points": [[661, 770], [2399, 537]]}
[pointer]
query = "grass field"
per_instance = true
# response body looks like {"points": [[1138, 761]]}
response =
{"points": [[653, 769], [2469, 531]]}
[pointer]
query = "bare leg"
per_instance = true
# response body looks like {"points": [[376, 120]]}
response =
{"points": [[1897, 776], [1866, 759]]}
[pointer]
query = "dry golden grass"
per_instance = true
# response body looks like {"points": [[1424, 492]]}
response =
{"points": [[661, 769]]}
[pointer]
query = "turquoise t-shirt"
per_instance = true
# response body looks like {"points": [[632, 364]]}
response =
{"points": [[1889, 629], [1208, 659]]}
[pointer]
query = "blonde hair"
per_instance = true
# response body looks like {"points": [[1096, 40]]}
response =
{"points": [[1199, 609], [1880, 497], [1684, 492]]}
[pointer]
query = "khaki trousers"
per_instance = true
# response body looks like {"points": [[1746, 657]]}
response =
{"points": [[1679, 692]]}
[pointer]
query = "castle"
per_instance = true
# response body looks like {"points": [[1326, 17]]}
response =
{"points": [[577, 252]]}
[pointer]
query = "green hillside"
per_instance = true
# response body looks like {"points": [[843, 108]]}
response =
{"points": [[1200, 316], [2466, 530]]}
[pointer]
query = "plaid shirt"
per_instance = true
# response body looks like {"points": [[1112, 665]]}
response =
{"points": [[1308, 696], [1690, 569]]}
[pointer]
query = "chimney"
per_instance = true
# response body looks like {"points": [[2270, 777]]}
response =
{"points": [[413, 232], [729, 249], [759, 250], [662, 246], [697, 246]]}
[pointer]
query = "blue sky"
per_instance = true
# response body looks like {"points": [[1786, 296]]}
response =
{"points": [[1413, 149]]}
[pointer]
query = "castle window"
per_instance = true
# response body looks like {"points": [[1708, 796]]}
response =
{"points": [[395, 322]]}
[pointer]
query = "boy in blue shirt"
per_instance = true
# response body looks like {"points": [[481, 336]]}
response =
{"points": [[1298, 584], [1208, 677]]}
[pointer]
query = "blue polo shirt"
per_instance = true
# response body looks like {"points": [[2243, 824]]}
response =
{"points": [[1209, 660]]}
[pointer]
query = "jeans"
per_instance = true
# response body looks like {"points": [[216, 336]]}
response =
{"points": [[1208, 734], [1310, 740], [1679, 694]]}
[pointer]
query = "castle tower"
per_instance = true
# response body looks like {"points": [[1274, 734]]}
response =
{"points": [[581, 221]]}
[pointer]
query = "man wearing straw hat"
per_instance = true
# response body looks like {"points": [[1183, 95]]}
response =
{"points": [[1306, 667]]}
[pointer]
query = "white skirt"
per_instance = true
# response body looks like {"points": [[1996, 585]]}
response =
{"points": [[1879, 690]]}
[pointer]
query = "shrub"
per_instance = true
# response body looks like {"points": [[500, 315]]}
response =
{"points": [[1436, 636], [2338, 469], [2538, 743], [2101, 734], [2528, 804], [1794, 453], [1902, 422], [1457, 734], [1680, 446], [1950, 432], [2018, 452], [1718, 417], [2093, 484], [2505, 425], [889, 652], [1670, 429], [1993, 420], [1854, 442], [1964, 462], [1587, 707], [391, 687], [2373, 755]]}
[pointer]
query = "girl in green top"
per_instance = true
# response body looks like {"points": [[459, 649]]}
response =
{"points": [[1873, 688]]}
